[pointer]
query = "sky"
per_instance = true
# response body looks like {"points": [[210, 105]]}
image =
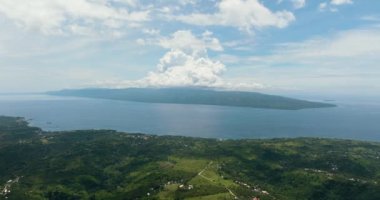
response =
{"points": [[283, 46]]}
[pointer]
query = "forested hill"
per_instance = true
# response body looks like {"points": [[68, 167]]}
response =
{"points": [[195, 96], [108, 165]]}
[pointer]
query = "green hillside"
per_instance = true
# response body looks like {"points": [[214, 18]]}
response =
{"points": [[105, 164]]}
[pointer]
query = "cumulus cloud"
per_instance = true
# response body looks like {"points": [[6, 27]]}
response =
{"points": [[82, 17], [243, 14], [178, 68], [186, 64]]}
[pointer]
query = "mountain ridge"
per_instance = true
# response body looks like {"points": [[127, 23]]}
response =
{"points": [[195, 96]]}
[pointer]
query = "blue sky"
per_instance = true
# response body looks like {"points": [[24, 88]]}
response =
{"points": [[283, 46]]}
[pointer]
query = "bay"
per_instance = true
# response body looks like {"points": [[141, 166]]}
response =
{"points": [[347, 121]]}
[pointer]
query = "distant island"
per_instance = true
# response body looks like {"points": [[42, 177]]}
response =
{"points": [[196, 96], [111, 165]]}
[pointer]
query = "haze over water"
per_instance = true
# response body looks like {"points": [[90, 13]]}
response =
{"points": [[347, 121]]}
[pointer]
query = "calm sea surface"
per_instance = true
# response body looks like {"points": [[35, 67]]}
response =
{"points": [[348, 120]]}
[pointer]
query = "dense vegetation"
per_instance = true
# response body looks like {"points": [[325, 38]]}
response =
{"points": [[195, 96], [104, 164]]}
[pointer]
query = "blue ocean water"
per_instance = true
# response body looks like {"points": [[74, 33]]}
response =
{"points": [[347, 121]]}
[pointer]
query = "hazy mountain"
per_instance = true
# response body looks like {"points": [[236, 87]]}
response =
{"points": [[195, 96]]}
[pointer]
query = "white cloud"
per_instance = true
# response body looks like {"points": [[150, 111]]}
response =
{"points": [[186, 64], [184, 40], [341, 2], [70, 16], [133, 3], [323, 6], [177, 68], [297, 4], [331, 6], [243, 14], [357, 44], [187, 2], [151, 31], [346, 44], [141, 41], [344, 61]]}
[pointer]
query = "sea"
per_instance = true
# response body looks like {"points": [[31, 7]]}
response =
{"points": [[349, 120]]}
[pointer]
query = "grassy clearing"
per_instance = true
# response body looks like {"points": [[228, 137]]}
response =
{"points": [[188, 164]]}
